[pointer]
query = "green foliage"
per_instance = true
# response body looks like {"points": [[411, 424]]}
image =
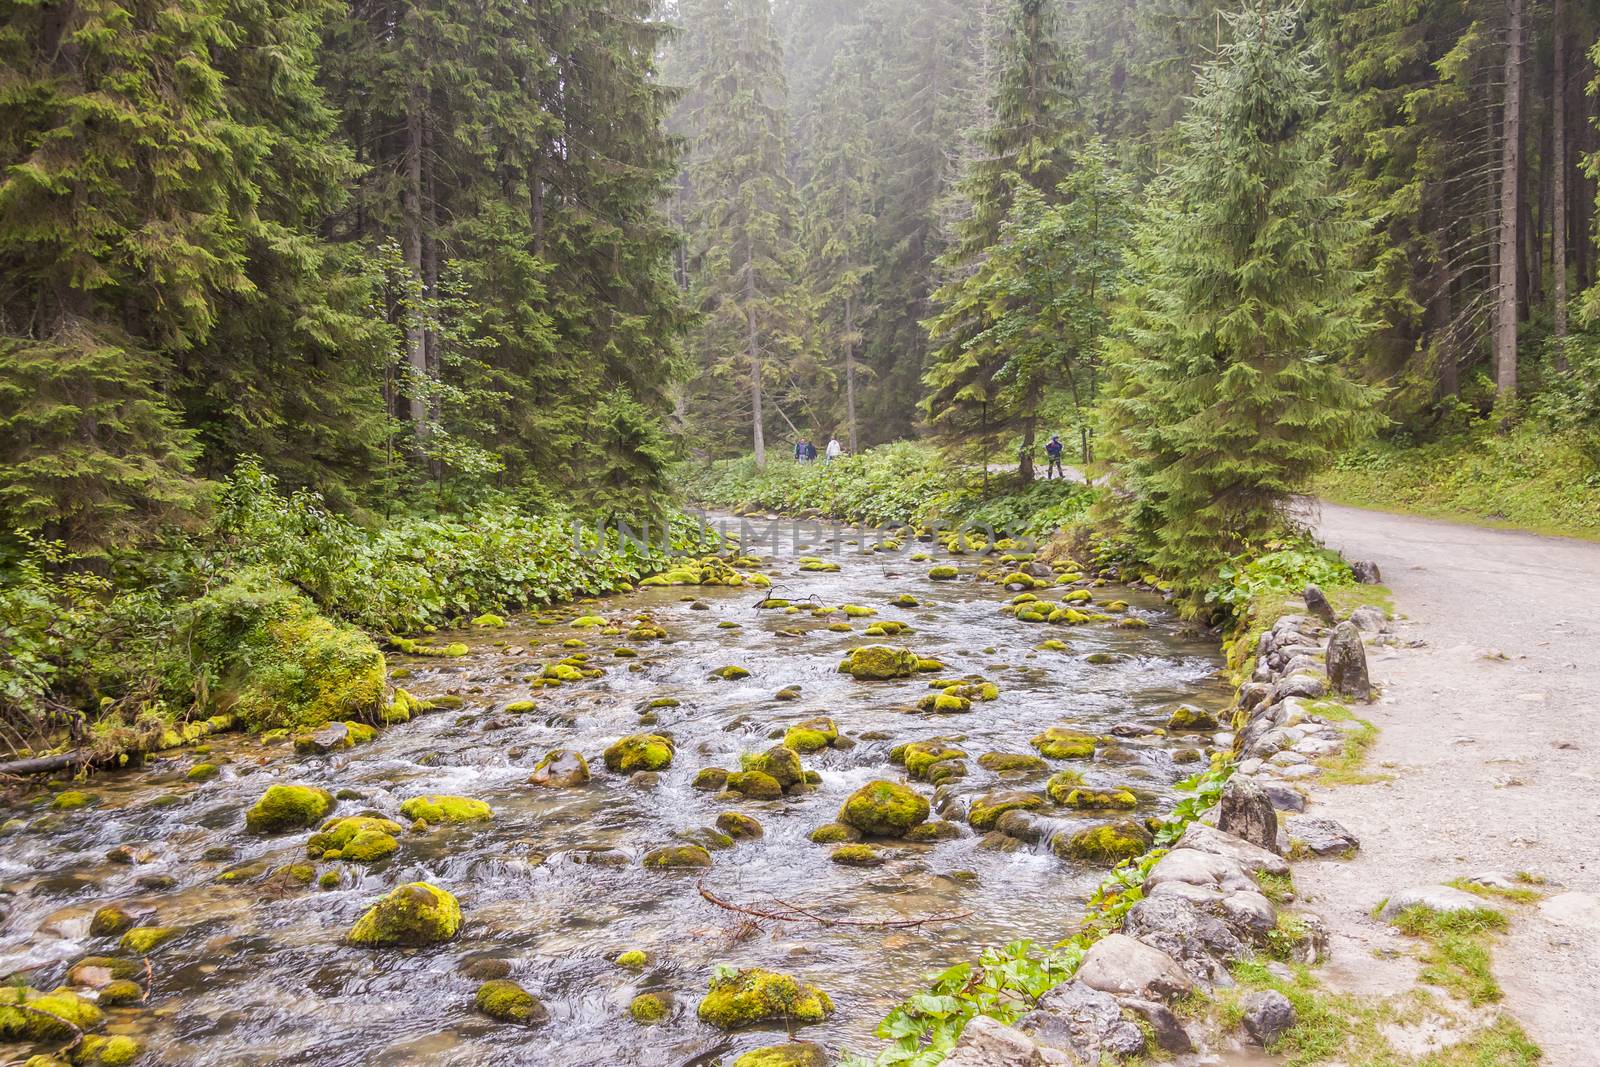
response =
{"points": [[1533, 477], [1283, 569], [1226, 395]]}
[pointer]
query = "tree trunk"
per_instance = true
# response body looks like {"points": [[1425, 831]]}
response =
{"points": [[1030, 425], [1558, 206], [1505, 327], [850, 372], [753, 354], [411, 209]]}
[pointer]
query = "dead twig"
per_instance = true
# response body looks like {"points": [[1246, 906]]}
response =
{"points": [[795, 913]]}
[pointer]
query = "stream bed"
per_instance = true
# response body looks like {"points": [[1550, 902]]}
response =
{"points": [[553, 885]]}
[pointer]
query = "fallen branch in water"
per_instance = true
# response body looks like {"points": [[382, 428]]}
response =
{"points": [[795, 913]]}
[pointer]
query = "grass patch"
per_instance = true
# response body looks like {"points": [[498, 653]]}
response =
{"points": [[1457, 955], [1519, 895], [1278, 888]]}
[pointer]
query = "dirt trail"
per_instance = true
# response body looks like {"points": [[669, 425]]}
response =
{"points": [[1495, 762]]}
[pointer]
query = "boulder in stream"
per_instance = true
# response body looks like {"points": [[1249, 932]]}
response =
{"points": [[411, 915], [505, 1000], [639, 752], [288, 807], [1060, 742], [440, 809], [873, 663], [884, 809], [561, 768], [746, 997]]}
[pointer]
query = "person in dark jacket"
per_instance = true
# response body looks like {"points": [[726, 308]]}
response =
{"points": [[1053, 450]]}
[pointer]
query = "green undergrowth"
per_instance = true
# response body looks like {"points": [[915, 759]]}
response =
{"points": [[897, 484], [1456, 953], [1343, 1028], [1534, 478], [265, 614]]}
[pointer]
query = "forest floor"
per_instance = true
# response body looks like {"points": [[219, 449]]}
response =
{"points": [[1488, 759]]}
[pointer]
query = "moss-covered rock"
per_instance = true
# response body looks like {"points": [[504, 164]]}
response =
{"points": [[677, 857], [857, 855], [288, 807], [561, 768], [109, 921], [439, 809], [812, 735], [338, 835], [507, 1002], [203, 772], [944, 573], [752, 996], [731, 673], [490, 620], [649, 1008], [72, 800], [142, 940], [102, 1050], [710, 779], [779, 761], [790, 1054], [1098, 799], [1187, 717], [739, 825], [933, 831], [880, 662], [1109, 843], [1058, 742], [944, 703], [639, 752], [986, 810], [412, 914], [757, 785], [121, 991], [1003, 762], [1061, 783], [96, 972], [56, 1016], [633, 959], [918, 756], [834, 833], [884, 809]]}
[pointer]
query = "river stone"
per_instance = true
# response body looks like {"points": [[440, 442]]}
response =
{"points": [[1317, 603], [1267, 1015], [1441, 898], [1202, 944], [1324, 837], [561, 768], [1120, 965], [884, 809], [1205, 869], [1164, 1025], [1284, 797], [323, 740], [1366, 572], [1306, 684], [987, 1042], [789, 1054], [1246, 812], [1219, 842], [1347, 662], [1369, 620], [1085, 1022]]}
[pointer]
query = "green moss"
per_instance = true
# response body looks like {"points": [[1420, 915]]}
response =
{"points": [[639, 752], [1062, 783], [1109, 843], [490, 620], [520, 707], [710, 779], [340, 833], [52, 1016], [1097, 800], [757, 785], [879, 663], [438, 809], [747, 997], [97, 970], [730, 673], [677, 857], [328, 880], [203, 772], [918, 756], [856, 855], [72, 799], [633, 959], [288, 807], [647, 1008], [1000, 762], [141, 940], [933, 831], [812, 735], [943, 573], [857, 611], [413, 914], [1187, 717], [116, 1050], [905, 600], [833, 833], [739, 825], [1058, 742], [109, 921], [508, 1002], [883, 809], [986, 810], [121, 991]]}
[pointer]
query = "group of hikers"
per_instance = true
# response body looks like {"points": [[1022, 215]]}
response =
{"points": [[806, 452]]}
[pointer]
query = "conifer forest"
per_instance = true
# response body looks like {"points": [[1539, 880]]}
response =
{"points": [[795, 533]]}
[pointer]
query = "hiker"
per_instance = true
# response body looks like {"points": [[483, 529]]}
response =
{"points": [[811, 452], [833, 450], [800, 450], [1053, 450]]}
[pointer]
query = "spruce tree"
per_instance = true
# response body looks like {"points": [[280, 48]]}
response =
{"points": [[1226, 390]]}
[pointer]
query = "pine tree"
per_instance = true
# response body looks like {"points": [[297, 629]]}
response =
{"points": [[743, 221], [1226, 391], [1025, 145]]}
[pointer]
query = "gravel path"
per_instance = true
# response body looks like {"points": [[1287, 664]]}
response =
{"points": [[1495, 761]]}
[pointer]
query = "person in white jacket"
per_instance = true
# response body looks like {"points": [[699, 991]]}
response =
{"points": [[833, 450]]}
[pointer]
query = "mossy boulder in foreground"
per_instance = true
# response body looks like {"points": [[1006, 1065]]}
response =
{"points": [[50, 1016], [876, 663], [414, 914], [288, 807], [359, 838], [884, 809], [677, 857], [639, 752], [1109, 844], [1059, 742], [792, 1054], [747, 997], [813, 735]]}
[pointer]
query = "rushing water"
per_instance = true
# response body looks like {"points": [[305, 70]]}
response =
{"points": [[553, 885]]}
